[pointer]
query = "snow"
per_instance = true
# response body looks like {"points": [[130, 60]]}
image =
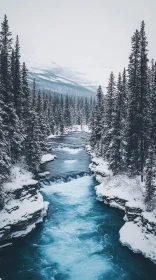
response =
{"points": [[47, 79], [122, 187], [136, 203], [53, 136], [73, 128], [64, 81], [26, 208], [5, 245], [47, 157], [80, 128], [69, 150], [29, 228], [18, 178], [37, 71], [21, 209], [133, 236], [43, 174], [116, 205], [70, 161], [56, 71], [100, 166], [126, 193], [150, 216]]}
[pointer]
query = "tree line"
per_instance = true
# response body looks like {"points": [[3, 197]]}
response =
{"points": [[27, 117], [124, 119]]}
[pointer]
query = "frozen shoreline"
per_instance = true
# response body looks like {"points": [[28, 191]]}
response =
{"points": [[139, 231], [47, 157], [24, 206], [73, 128]]}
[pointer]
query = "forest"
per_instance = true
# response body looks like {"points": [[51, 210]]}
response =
{"points": [[124, 120], [77, 157], [27, 117]]}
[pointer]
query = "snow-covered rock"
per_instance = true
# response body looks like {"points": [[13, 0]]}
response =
{"points": [[47, 157], [51, 136], [120, 191], [24, 206], [138, 240], [43, 174], [98, 165]]}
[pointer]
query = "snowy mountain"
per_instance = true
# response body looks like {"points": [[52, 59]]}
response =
{"points": [[54, 78]]}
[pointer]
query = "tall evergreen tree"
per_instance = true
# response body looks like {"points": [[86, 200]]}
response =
{"points": [[132, 132], [143, 95], [17, 81], [10, 119], [115, 151], [107, 127], [67, 114]]}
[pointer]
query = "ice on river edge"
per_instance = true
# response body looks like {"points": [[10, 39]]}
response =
{"points": [[134, 237], [139, 231]]}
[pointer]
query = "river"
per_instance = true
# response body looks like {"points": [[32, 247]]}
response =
{"points": [[79, 239]]}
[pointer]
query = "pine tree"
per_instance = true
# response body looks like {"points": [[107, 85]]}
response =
{"points": [[67, 115], [123, 125], [61, 121], [115, 159], [132, 123], [93, 139], [34, 95], [143, 95], [99, 108], [107, 126], [32, 143], [45, 113], [27, 99], [150, 178], [17, 81], [5, 161], [10, 119], [41, 123], [124, 128]]}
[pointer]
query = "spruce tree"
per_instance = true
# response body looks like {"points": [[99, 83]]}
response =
{"points": [[133, 113], [143, 95], [41, 123], [10, 119], [33, 148], [67, 114], [17, 81], [150, 178], [99, 108], [115, 159], [107, 127]]}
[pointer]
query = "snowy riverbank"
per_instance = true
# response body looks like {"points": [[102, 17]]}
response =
{"points": [[47, 157], [24, 206], [120, 191], [73, 128]]}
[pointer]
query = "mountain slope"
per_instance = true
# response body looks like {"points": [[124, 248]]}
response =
{"points": [[55, 78]]}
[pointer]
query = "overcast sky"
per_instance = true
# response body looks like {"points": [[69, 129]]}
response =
{"points": [[90, 36]]}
